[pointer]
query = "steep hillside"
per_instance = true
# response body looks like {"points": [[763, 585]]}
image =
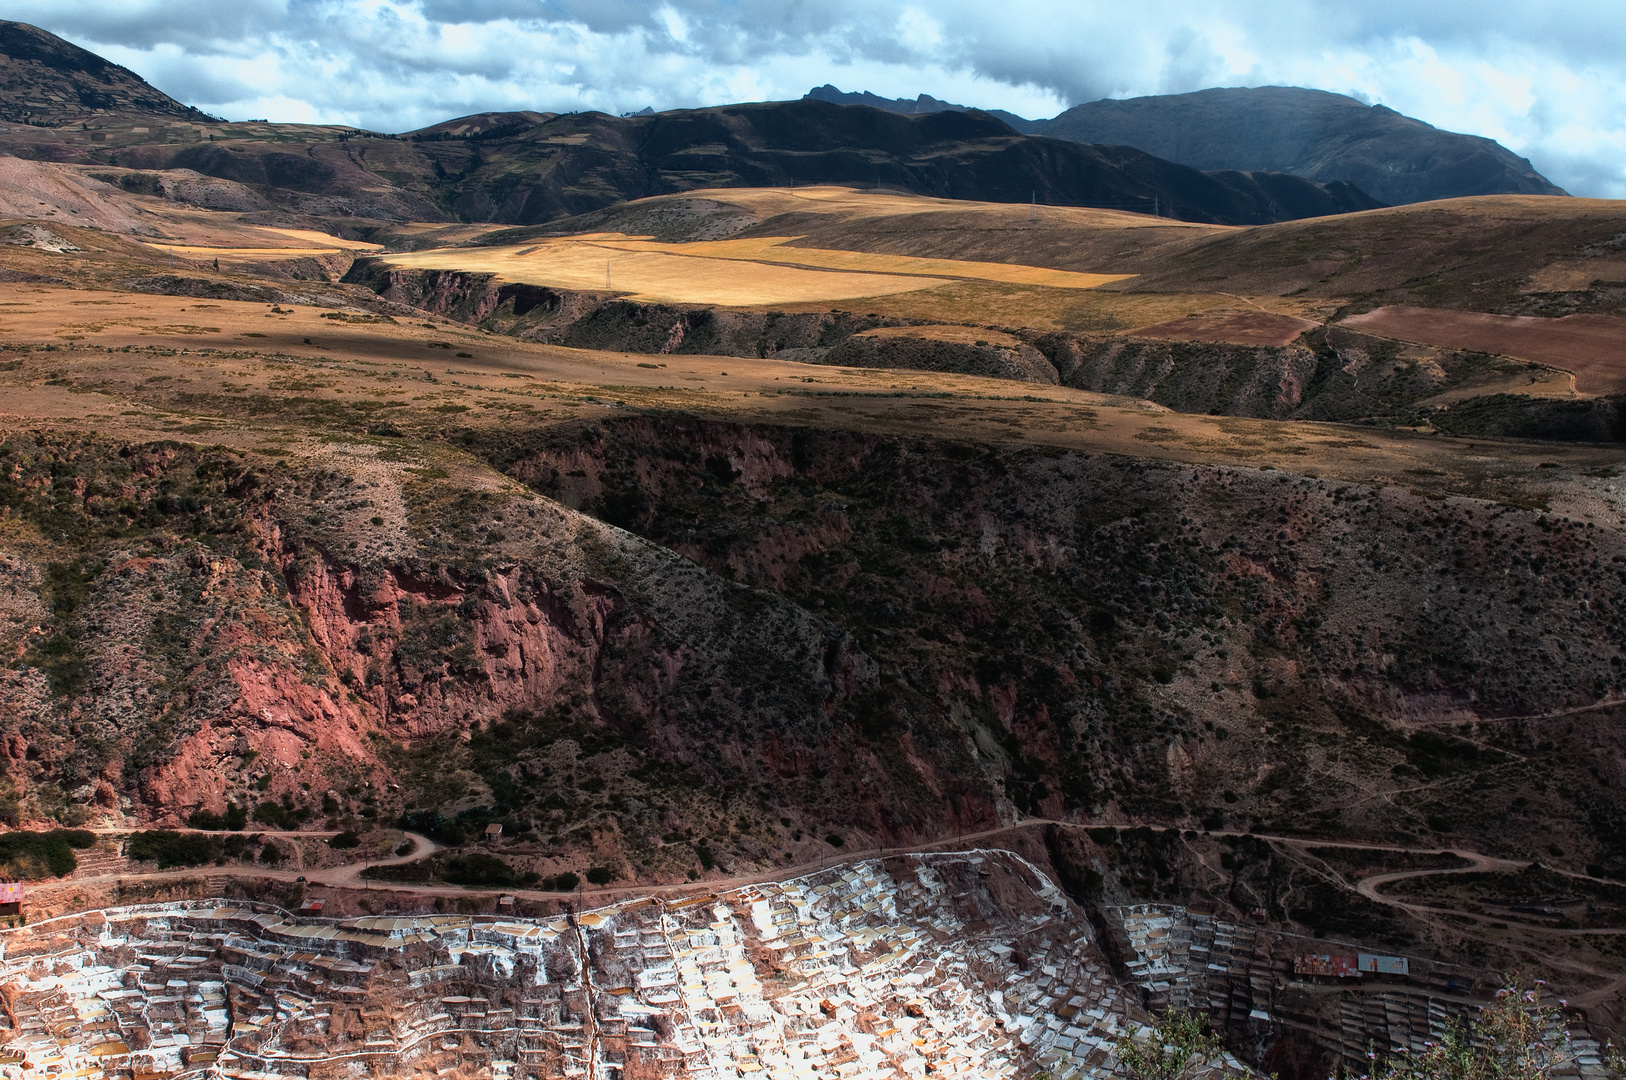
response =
{"points": [[48, 81], [892, 638], [1309, 133]]}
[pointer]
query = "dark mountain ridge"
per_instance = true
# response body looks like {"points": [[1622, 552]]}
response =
{"points": [[917, 106], [1309, 133], [528, 168], [1313, 134]]}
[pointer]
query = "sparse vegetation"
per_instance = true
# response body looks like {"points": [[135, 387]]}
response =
{"points": [[1179, 1046], [1519, 1036]]}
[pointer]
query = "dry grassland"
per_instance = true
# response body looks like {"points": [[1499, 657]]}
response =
{"points": [[1231, 328], [996, 304], [957, 335], [1567, 275], [852, 204], [243, 375]]}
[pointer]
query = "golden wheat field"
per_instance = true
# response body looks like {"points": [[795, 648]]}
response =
{"points": [[733, 273]]}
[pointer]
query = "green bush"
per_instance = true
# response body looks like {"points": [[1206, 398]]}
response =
{"points": [[565, 882], [29, 856], [1180, 1047], [1520, 1035], [421, 870], [344, 841], [467, 825], [167, 848], [478, 869], [276, 815], [233, 819], [600, 875]]}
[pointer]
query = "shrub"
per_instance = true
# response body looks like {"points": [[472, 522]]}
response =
{"points": [[467, 825], [277, 815], [167, 848], [272, 853], [1518, 1036], [565, 882], [233, 819], [600, 875], [344, 841], [835, 841], [421, 870], [1179, 1047], [33, 855], [478, 869]]}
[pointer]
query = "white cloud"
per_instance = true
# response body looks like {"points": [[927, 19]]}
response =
{"points": [[1544, 79]]}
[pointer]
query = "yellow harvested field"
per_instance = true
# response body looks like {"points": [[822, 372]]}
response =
{"points": [[293, 242], [734, 273], [203, 252], [774, 249], [852, 203], [313, 238], [660, 273]]}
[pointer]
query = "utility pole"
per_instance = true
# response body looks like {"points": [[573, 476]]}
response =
{"points": [[1033, 205]]}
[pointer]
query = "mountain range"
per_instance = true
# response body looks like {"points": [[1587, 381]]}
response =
{"points": [[1309, 133], [67, 105]]}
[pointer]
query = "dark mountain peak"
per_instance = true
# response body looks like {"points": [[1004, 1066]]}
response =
{"points": [[47, 81], [925, 103], [813, 124], [1311, 133]]}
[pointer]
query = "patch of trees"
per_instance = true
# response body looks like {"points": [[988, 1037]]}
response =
{"points": [[30, 856], [167, 848], [234, 819]]}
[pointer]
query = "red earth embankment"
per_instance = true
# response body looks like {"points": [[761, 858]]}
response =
{"points": [[1593, 347]]}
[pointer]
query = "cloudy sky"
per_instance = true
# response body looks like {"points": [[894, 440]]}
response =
{"points": [[1546, 79]]}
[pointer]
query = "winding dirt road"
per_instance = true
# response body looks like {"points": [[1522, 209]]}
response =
{"points": [[349, 876]]}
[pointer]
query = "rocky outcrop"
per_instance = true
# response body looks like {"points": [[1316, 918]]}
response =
{"points": [[600, 320], [164, 679]]}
